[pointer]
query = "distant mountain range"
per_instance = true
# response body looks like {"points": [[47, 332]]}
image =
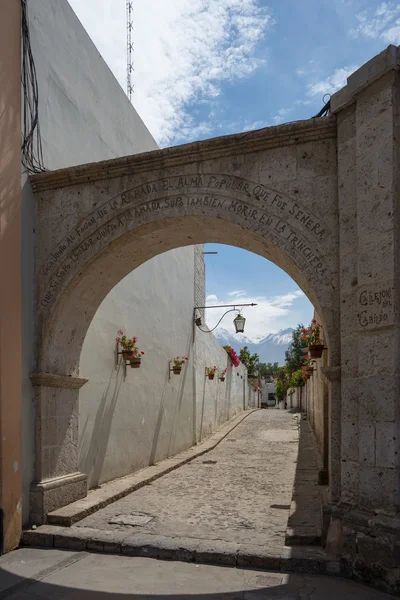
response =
{"points": [[271, 348]]}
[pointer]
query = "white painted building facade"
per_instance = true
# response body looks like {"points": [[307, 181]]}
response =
{"points": [[268, 393], [125, 422]]}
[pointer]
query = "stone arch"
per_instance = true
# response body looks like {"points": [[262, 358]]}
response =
{"points": [[272, 192]]}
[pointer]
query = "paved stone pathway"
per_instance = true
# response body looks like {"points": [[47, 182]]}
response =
{"points": [[34, 574], [240, 492]]}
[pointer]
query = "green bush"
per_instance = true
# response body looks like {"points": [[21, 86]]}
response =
{"points": [[280, 390], [296, 379]]}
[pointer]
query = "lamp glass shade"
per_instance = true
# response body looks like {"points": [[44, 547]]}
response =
{"points": [[239, 322]]}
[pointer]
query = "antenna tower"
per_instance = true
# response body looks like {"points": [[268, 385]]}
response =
{"points": [[129, 48]]}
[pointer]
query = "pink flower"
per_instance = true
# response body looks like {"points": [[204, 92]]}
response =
{"points": [[120, 332], [118, 340]]}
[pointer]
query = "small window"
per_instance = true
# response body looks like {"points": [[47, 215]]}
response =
{"points": [[271, 397]]}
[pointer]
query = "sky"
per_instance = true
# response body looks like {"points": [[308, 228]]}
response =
{"points": [[205, 68]]}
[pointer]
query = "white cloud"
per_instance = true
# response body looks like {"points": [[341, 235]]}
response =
{"points": [[270, 314], [282, 114], [212, 299], [332, 83], [383, 23], [237, 294], [183, 51], [253, 125]]}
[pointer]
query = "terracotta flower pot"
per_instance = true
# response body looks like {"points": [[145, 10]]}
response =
{"points": [[177, 370], [127, 354], [316, 350], [211, 376], [222, 378], [135, 362]]}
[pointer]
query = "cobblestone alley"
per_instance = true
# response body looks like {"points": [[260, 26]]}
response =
{"points": [[240, 492]]}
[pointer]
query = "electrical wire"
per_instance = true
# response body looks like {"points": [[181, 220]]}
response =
{"points": [[32, 152], [325, 109]]}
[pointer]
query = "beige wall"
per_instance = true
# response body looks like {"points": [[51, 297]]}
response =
{"points": [[10, 272]]}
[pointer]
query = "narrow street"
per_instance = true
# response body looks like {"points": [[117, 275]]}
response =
{"points": [[239, 492]]}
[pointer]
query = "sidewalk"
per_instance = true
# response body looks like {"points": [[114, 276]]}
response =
{"points": [[31, 574]]}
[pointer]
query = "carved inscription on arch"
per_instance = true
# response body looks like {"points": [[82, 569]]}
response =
{"points": [[253, 206], [376, 306]]}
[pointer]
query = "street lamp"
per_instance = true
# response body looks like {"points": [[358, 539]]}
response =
{"points": [[239, 321]]}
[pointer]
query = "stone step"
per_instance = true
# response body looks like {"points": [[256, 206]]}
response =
{"points": [[284, 559]]}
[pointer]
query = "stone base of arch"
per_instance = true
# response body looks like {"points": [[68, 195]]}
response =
{"points": [[52, 494], [58, 482]]}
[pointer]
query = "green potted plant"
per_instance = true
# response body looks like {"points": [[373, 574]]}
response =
{"points": [[130, 350], [177, 364], [211, 372], [313, 337], [223, 375]]}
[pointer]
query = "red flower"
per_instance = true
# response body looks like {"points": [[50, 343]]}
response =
{"points": [[186, 358], [120, 332], [142, 352], [313, 321], [118, 340]]}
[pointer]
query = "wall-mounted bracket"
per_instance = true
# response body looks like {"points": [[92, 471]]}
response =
{"points": [[124, 362]]}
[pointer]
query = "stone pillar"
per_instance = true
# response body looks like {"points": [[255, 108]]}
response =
{"points": [[331, 377], [58, 481], [368, 185]]}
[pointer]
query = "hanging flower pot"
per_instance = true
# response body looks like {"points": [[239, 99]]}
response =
{"points": [[312, 336], [223, 374], [210, 372], [177, 364], [316, 350], [130, 352]]}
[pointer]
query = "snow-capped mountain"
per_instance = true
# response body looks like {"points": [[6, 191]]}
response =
{"points": [[270, 348]]}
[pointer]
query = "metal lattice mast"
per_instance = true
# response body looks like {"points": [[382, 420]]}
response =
{"points": [[129, 48]]}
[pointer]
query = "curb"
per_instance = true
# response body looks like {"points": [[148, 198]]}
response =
{"points": [[288, 560], [119, 488]]}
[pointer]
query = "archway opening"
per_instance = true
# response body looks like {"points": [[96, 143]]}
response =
{"points": [[129, 420]]}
